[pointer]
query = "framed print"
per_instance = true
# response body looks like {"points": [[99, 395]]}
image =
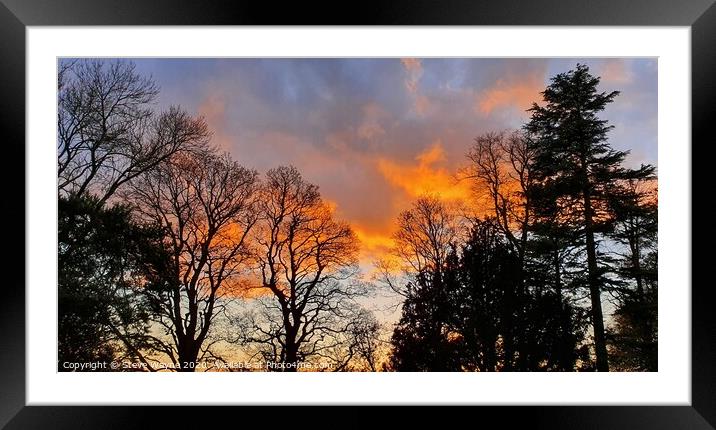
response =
{"points": [[411, 205]]}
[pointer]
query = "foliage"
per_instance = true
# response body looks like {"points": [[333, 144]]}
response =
{"points": [[105, 262]]}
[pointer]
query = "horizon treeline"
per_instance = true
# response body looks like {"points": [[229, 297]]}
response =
{"points": [[174, 256]]}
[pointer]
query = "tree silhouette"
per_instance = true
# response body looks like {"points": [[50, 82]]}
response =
{"points": [[488, 320], [107, 132], [422, 241], [576, 165], [205, 204], [305, 259], [365, 348], [634, 339], [108, 136], [636, 211], [556, 251], [500, 169], [487, 305], [421, 340], [425, 240], [500, 166], [106, 260]]}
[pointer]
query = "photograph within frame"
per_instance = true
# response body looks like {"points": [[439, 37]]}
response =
{"points": [[357, 214]]}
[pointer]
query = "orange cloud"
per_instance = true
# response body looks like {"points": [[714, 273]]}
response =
{"points": [[246, 286], [516, 91], [374, 244], [375, 240], [428, 176]]}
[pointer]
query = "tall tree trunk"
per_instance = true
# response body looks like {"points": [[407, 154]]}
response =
{"points": [[557, 273], [291, 352], [600, 343], [636, 265], [507, 336], [291, 359], [566, 347], [187, 354]]}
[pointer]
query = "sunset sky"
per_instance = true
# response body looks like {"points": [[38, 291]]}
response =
{"points": [[376, 133]]}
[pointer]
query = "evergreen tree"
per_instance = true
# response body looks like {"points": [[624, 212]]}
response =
{"points": [[425, 244], [105, 262], [634, 338], [636, 210], [490, 306], [422, 340], [575, 165]]}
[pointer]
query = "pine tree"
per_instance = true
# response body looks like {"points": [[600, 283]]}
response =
{"points": [[575, 164], [422, 341]]}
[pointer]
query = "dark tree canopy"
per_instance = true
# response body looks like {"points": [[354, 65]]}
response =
{"points": [[106, 260], [634, 338], [576, 170], [489, 321], [509, 296]]}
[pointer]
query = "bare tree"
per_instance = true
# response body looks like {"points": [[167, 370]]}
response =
{"points": [[206, 204], [425, 233], [107, 132], [367, 347], [500, 166], [304, 259], [425, 240], [422, 242]]}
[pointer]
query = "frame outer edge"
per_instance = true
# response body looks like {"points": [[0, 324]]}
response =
{"points": [[12, 121], [703, 323], [396, 12], [12, 206]]}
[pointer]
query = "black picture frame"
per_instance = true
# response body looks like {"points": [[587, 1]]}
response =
{"points": [[15, 15]]}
